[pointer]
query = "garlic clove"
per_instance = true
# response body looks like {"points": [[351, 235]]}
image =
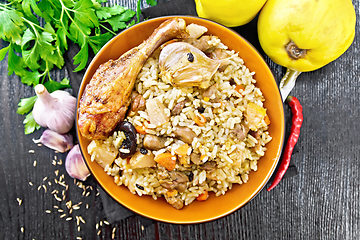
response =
{"points": [[54, 110], [75, 165], [56, 141]]}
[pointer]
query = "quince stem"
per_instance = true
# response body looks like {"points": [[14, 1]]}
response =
{"points": [[287, 83]]}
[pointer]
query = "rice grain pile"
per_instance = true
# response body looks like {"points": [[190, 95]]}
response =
{"points": [[225, 157]]}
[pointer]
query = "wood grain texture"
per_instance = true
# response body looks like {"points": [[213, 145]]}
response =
{"points": [[321, 202]]}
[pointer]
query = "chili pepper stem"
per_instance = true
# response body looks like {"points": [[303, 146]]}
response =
{"points": [[297, 120], [287, 83]]}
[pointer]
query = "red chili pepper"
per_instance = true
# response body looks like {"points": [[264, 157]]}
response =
{"points": [[297, 120]]}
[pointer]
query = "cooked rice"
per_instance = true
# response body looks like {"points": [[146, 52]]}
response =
{"points": [[234, 159]]}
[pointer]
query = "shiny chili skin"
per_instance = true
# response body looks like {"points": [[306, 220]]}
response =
{"points": [[297, 120]]}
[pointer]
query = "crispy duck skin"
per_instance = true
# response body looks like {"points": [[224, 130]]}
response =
{"points": [[106, 98]]}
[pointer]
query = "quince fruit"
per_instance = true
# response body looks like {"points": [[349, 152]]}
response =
{"points": [[305, 35], [231, 13]]}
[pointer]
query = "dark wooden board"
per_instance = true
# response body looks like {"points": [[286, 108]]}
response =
{"points": [[320, 202]]}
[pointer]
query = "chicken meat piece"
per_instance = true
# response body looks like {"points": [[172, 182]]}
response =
{"points": [[184, 65], [107, 97]]}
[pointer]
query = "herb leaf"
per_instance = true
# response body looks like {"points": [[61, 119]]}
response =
{"points": [[151, 2], [26, 104], [119, 21], [52, 85], [30, 124], [12, 25], [108, 12]]}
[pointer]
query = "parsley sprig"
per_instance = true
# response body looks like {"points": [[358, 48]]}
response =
{"points": [[38, 33]]}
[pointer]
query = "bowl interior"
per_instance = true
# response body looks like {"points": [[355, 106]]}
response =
{"points": [[214, 207]]}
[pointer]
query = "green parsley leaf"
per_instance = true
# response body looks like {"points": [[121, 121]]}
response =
{"points": [[32, 55], [15, 63], [52, 85], [30, 124], [41, 48], [28, 6], [119, 21], [48, 10], [138, 10], [127, 15], [31, 78], [12, 25], [26, 104], [96, 42], [151, 2], [61, 39], [107, 12], [3, 52], [84, 15], [81, 57]]}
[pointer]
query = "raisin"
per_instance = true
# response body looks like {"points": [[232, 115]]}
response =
{"points": [[143, 151], [191, 176], [139, 187], [201, 109], [190, 57]]}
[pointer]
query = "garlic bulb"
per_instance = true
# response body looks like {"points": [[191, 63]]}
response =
{"points": [[54, 110], [75, 165], [56, 141]]}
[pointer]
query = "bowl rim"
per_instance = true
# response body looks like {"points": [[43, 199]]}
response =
{"points": [[258, 189]]}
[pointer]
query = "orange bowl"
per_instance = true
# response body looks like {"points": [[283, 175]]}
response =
{"points": [[239, 195]]}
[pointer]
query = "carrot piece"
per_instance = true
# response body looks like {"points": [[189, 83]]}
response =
{"points": [[167, 160], [203, 196], [200, 120], [140, 129], [171, 192], [202, 156], [267, 119], [182, 150], [239, 87]]}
